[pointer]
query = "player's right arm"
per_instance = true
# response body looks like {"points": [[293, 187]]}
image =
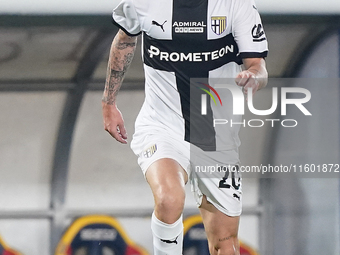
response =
{"points": [[121, 55]]}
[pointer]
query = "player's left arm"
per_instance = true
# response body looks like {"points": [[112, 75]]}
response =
{"points": [[254, 76]]}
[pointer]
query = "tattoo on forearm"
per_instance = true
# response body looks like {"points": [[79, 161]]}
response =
{"points": [[112, 85], [117, 67]]}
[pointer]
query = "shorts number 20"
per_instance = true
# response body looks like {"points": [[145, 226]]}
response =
{"points": [[235, 178]]}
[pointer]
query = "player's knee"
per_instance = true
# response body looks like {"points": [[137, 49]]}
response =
{"points": [[170, 202], [229, 248], [169, 207]]}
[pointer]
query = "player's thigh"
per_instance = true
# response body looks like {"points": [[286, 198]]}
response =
{"points": [[167, 173], [221, 229]]}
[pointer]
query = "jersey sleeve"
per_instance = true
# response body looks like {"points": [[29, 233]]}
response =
{"points": [[126, 18], [248, 30]]}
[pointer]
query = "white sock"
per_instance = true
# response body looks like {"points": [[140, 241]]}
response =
{"points": [[167, 238]]}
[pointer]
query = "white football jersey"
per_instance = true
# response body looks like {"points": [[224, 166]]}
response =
{"points": [[186, 39]]}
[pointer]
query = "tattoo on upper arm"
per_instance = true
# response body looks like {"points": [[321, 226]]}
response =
{"points": [[128, 60], [124, 45]]}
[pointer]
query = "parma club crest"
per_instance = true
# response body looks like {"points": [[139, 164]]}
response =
{"points": [[150, 151], [218, 24]]}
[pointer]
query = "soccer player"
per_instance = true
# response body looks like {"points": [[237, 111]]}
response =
{"points": [[183, 40]]}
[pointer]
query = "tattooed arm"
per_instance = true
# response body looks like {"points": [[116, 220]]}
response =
{"points": [[121, 54]]}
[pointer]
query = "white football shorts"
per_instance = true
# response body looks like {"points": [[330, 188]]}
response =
{"points": [[214, 174]]}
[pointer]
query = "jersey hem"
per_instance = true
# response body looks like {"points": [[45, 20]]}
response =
{"points": [[122, 28], [254, 54]]}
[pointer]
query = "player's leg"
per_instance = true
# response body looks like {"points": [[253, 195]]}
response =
{"points": [[221, 229], [167, 180]]}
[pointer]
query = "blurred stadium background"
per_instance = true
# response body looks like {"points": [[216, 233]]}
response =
{"points": [[57, 163]]}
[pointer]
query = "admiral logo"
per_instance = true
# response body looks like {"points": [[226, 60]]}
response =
{"points": [[150, 151], [191, 56], [189, 27], [218, 24]]}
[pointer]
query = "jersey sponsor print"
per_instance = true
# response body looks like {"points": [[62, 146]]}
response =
{"points": [[184, 40]]}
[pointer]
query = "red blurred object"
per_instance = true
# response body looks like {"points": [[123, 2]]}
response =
{"points": [[246, 250], [9, 253], [132, 251], [69, 250]]}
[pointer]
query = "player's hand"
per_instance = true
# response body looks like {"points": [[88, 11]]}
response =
{"points": [[246, 80], [114, 123]]}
